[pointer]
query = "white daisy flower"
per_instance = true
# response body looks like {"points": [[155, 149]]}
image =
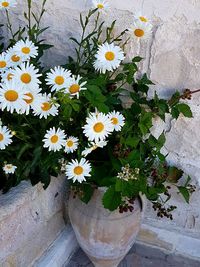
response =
{"points": [[6, 4], [58, 78], [6, 75], [4, 62], [117, 119], [78, 170], [71, 144], [76, 86], [93, 147], [102, 5], [26, 49], [14, 59], [26, 76], [108, 57], [141, 17], [5, 137], [46, 108], [9, 168], [33, 100], [98, 127], [12, 97], [140, 30], [54, 139]]}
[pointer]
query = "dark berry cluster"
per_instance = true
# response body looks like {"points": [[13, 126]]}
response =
{"points": [[128, 205], [77, 192], [118, 152], [191, 188], [187, 94], [164, 212]]}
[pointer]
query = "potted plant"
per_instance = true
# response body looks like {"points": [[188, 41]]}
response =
{"points": [[76, 118]]}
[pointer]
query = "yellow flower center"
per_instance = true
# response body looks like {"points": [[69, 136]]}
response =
{"points": [[31, 98], [46, 106], [115, 121], [78, 170], [5, 4], [139, 32], [11, 95], [26, 78], [59, 80], [54, 139], [74, 88], [2, 64], [15, 58], [1, 137], [98, 127], [110, 55], [26, 50], [9, 166], [101, 6], [143, 19], [70, 143], [9, 76]]}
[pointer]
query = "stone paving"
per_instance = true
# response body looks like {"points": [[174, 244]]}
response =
{"points": [[139, 256]]}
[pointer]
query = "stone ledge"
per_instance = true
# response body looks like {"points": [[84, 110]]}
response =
{"points": [[31, 218], [170, 242], [60, 252]]}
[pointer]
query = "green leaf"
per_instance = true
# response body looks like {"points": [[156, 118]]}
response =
{"points": [[132, 141], [96, 98], [87, 193], [137, 59], [174, 174], [185, 110], [111, 199], [145, 122], [175, 112], [185, 193]]}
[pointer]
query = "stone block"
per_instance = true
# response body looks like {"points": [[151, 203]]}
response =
{"points": [[30, 220]]}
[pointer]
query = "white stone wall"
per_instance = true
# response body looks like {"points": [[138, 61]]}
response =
{"points": [[171, 59]]}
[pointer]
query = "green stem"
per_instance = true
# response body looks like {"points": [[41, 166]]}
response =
{"points": [[9, 24], [29, 18]]}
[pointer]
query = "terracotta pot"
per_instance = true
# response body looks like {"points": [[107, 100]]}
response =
{"points": [[106, 237]]}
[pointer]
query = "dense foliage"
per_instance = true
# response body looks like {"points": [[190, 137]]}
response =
{"points": [[130, 160]]}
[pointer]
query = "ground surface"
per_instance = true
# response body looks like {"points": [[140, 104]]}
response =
{"points": [[139, 256]]}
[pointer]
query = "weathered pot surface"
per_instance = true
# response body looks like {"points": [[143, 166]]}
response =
{"points": [[106, 237]]}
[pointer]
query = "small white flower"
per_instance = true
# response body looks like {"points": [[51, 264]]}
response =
{"points": [[78, 171], [71, 144], [9, 168], [93, 147], [141, 17], [58, 78], [102, 5], [108, 57], [5, 137], [46, 108], [33, 100], [6, 75], [54, 139], [76, 86], [14, 59], [97, 128], [26, 76], [4, 62], [12, 97], [117, 119], [26, 49], [140, 30], [6, 4]]}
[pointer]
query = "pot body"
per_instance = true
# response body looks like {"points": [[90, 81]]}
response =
{"points": [[106, 237]]}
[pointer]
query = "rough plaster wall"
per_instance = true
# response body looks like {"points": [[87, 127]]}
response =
{"points": [[171, 58]]}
